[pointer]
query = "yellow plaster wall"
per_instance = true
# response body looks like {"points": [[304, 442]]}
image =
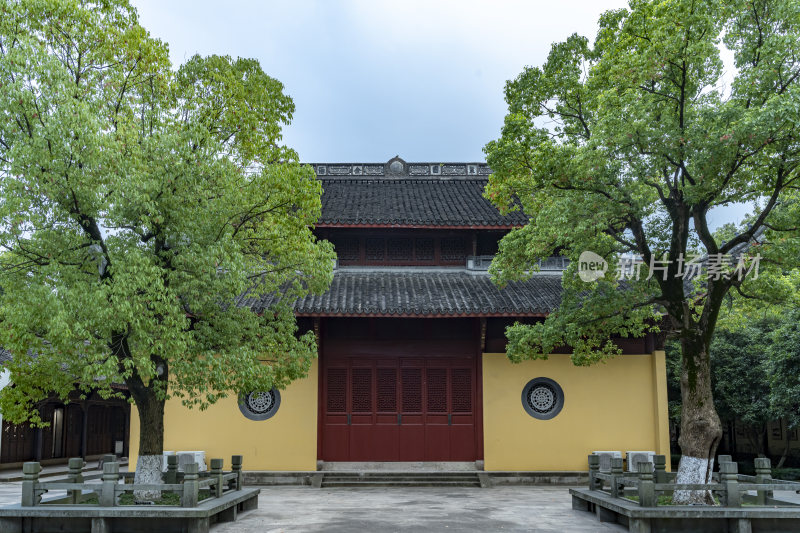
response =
{"points": [[287, 441], [618, 405]]}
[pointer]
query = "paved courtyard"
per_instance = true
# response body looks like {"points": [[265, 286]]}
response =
{"points": [[385, 510], [300, 509], [303, 509]]}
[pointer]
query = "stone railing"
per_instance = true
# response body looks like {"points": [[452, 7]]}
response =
{"points": [[114, 483], [652, 480], [551, 264]]}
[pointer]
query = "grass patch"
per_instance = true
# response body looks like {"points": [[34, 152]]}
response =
{"points": [[664, 499], [786, 474], [167, 498]]}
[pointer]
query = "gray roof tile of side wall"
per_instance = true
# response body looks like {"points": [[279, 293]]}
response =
{"points": [[422, 293], [368, 194]]}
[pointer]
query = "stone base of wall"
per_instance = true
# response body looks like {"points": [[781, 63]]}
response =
{"points": [[314, 478]]}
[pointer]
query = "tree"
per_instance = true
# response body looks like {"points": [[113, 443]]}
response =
{"points": [[755, 368], [623, 148], [741, 380], [784, 366], [138, 203]]}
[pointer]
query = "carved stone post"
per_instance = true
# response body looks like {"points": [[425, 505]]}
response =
{"points": [[216, 472], [75, 475], [108, 497], [594, 469], [190, 485], [660, 468], [171, 476], [763, 475], [616, 476], [236, 467], [647, 493], [30, 477], [107, 458], [729, 477]]}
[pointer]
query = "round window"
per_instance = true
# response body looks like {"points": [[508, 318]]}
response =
{"points": [[260, 405], [542, 398]]}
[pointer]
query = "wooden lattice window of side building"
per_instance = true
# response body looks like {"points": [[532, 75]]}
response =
{"points": [[399, 249], [412, 390], [337, 390], [423, 249], [453, 249], [375, 249], [386, 394], [361, 390], [461, 390], [347, 249], [437, 390]]}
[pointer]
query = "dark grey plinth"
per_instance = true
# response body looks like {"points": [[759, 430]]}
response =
{"points": [[687, 519], [127, 519], [489, 479]]}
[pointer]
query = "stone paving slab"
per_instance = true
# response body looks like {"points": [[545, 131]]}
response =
{"points": [[423, 509]]}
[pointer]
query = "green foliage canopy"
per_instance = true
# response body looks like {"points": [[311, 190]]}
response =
{"points": [[625, 147], [137, 203]]}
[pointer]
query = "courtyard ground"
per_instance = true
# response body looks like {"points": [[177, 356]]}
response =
{"points": [[386, 510]]}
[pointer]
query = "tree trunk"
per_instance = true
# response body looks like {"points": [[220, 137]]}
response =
{"points": [[151, 440], [757, 436], [785, 449], [701, 429]]}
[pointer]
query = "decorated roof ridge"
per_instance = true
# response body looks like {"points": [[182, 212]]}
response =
{"points": [[398, 168]]}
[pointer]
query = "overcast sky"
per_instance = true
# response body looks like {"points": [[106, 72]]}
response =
{"points": [[372, 79]]}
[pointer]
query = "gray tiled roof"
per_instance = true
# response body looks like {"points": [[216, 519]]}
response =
{"points": [[411, 201], [420, 292]]}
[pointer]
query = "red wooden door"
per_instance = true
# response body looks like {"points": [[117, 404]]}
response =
{"points": [[399, 409]]}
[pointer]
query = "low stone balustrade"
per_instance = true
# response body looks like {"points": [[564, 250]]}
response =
{"points": [[223, 496], [642, 499]]}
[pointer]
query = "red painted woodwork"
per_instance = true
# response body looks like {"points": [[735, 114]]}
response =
{"points": [[73, 431], [385, 408], [420, 226], [19, 443]]}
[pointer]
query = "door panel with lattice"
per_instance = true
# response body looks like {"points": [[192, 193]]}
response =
{"points": [[399, 409]]}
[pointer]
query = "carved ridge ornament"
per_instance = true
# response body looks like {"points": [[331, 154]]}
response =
{"points": [[396, 167]]}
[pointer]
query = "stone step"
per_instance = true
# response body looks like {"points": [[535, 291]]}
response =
{"points": [[400, 474], [400, 483], [400, 479], [400, 466]]}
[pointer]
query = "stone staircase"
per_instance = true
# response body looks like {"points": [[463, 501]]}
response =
{"points": [[333, 479]]}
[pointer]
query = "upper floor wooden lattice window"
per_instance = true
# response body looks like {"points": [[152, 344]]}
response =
{"points": [[453, 250], [401, 249]]}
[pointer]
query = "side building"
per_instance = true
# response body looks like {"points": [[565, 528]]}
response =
{"points": [[411, 343], [86, 426]]}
